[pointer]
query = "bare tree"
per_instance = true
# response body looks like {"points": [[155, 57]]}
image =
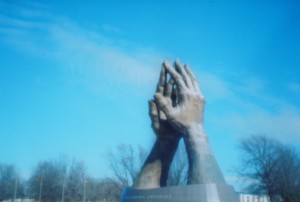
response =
{"points": [[93, 191], [46, 181], [111, 190], [125, 163], [288, 184], [272, 167], [76, 181], [11, 185], [102, 190]]}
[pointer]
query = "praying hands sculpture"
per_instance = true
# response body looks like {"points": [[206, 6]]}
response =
{"points": [[177, 112]]}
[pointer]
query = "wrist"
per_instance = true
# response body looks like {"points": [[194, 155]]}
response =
{"points": [[167, 144], [195, 131], [168, 138], [155, 170]]}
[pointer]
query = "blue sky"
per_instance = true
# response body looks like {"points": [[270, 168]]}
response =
{"points": [[75, 76]]}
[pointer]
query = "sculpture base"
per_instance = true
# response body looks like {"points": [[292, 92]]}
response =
{"points": [[188, 193]]}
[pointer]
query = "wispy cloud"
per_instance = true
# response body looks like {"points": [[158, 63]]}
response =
{"points": [[96, 58], [255, 111], [283, 126], [294, 88], [251, 85], [102, 64], [215, 88]]}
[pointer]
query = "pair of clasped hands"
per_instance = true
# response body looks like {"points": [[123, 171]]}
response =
{"points": [[176, 112], [178, 103]]}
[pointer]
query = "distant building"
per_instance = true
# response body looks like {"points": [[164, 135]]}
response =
{"points": [[253, 198]]}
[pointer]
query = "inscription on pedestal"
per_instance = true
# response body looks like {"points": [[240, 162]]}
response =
{"points": [[189, 193]]}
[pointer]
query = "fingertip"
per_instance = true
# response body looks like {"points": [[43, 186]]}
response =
{"points": [[178, 66], [165, 61], [188, 69], [167, 64]]}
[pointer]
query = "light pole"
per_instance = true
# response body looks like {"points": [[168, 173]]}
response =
{"points": [[16, 188], [41, 186], [84, 187], [63, 189]]}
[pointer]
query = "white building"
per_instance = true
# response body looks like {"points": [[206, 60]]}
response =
{"points": [[253, 198]]}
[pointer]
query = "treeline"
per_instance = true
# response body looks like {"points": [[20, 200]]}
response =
{"points": [[61, 180], [270, 167], [267, 166], [55, 180]]}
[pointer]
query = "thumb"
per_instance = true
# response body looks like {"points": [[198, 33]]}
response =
{"points": [[153, 113], [163, 103]]}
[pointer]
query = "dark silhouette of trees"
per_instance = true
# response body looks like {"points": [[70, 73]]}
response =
{"points": [[272, 167], [76, 182], [103, 190], [11, 185], [61, 180], [125, 163], [46, 181], [57, 180]]}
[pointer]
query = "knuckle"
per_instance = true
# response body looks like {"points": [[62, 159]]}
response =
{"points": [[200, 97]]}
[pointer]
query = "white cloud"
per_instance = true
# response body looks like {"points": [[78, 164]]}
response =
{"points": [[214, 87], [27, 25], [248, 108], [257, 112], [95, 58], [251, 85], [283, 126]]}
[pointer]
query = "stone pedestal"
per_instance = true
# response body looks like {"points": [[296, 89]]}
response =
{"points": [[188, 193]]}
